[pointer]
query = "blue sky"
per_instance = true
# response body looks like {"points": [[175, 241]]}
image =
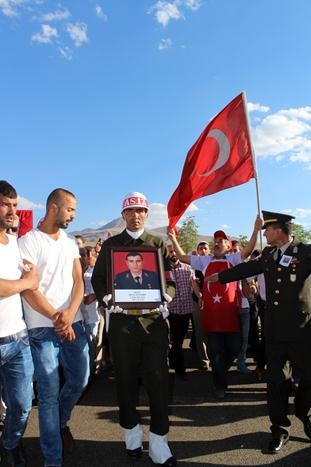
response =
{"points": [[107, 97]]}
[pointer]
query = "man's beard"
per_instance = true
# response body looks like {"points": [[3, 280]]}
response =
{"points": [[5, 225], [62, 225]]}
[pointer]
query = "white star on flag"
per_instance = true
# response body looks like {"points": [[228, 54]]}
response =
{"points": [[217, 298]]}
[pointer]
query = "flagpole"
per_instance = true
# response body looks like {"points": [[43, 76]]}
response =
{"points": [[253, 159]]}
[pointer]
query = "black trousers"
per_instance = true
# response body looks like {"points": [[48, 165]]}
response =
{"points": [[260, 349], [178, 329], [139, 348], [278, 355]]}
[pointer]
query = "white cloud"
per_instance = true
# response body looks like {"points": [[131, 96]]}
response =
{"points": [[10, 7], [165, 44], [191, 208], [285, 134], [100, 13], [257, 107], [226, 226], [24, 203], [193, 4], [46, 36], [78, 33], [65, 52], [299, 213], [60, 37], [57, 15], [166, 11], [157, 215]]}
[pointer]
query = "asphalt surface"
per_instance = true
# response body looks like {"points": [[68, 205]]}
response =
{"points": [[204, 431]]}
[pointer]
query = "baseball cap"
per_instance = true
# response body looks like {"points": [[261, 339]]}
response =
{"points": [[220, 234], [135, 200]]}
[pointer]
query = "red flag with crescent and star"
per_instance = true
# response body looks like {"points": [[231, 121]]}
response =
{"points": [[221, 158]]}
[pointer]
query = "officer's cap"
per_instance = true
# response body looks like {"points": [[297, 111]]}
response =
{"points": [[271, 218]]}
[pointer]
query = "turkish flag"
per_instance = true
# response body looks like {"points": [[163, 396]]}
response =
{"points": [[221, 158], [25, 221]]}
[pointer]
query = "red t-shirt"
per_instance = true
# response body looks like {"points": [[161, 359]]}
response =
{"points": [[221, 301]]}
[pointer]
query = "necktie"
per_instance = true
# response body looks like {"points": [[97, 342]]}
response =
{"points": [[137, 280], [279, 255]]}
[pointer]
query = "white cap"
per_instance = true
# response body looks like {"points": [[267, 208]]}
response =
{"points": [[135, 200]]}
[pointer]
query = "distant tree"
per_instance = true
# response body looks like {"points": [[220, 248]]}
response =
{"points": [[301, 234], [243, 240], [188, 234]]}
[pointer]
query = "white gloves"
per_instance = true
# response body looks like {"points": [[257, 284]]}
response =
{"points": [[167, 297], [163, 308]]}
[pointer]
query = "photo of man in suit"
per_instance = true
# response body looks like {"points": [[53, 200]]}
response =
{"points": [[135, 277]]}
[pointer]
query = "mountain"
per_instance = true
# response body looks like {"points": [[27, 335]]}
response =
{"points": [[117, 225]]}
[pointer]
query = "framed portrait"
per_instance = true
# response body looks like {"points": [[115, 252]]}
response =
{"points": [[136, 276]]}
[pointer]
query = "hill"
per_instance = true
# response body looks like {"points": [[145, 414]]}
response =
{"points": [[117, 225]]}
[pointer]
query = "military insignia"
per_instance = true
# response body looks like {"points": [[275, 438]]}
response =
{"points": [[285, 261], [292, 277], [295, 260]]}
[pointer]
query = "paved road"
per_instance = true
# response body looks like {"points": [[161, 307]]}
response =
{"points": [[203, 431]]}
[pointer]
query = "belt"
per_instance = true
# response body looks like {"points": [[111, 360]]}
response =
{"points": [[13, 337], [141, 313]]}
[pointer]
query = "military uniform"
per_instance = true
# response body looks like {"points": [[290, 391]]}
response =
{"points": [[287, 327], [147, 280], [139, 344]]}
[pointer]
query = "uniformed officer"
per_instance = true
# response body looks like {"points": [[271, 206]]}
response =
{"points": [[286, 266], [136, 277], [139, 342]]}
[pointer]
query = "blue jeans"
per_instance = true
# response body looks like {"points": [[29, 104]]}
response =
{"points": [[244, 330], [49, 351], [222, 348], [16, 372]]}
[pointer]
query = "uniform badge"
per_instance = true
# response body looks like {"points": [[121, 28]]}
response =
{"points": [[292, 277], [285, 260]]}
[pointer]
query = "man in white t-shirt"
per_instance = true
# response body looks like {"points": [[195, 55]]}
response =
{"points": [[56, 331], [16, 367]]}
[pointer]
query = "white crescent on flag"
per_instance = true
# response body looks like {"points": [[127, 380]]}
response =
{"points": [[224, 150]]}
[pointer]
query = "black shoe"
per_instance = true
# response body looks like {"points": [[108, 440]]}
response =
{"points": [[134, 453], [67, 438], [13, 457], [182, 376], [219, 393], [307, 427], [276, 444], [170, 462]]}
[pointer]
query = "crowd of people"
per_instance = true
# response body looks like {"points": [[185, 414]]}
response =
{"points": [[60, 322]]}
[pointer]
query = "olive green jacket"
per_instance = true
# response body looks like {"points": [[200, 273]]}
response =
{"points": [[100, 273]]}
